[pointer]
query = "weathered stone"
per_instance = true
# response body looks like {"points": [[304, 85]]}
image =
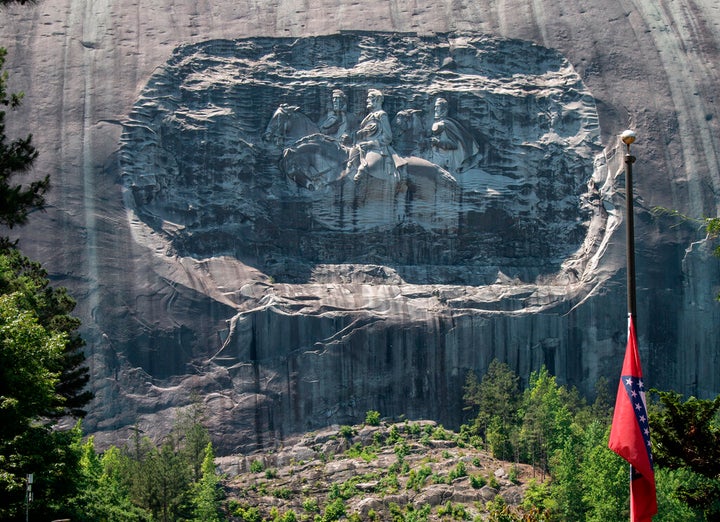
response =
{"points": [[340, 471], [370, 504], [513, 495], [318, 335], [435, 495], [488, 493]]}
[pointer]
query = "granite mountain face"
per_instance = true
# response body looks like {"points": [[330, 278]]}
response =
{"points": [[297, 229]]}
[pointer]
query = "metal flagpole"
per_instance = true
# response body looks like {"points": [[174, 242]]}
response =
{"points": [[628, 137]]}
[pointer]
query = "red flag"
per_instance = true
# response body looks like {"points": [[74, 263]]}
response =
{"points": [[630, 433]]}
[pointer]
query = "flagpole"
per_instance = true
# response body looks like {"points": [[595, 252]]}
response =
{"points": [[630, 432], [628, 137]]}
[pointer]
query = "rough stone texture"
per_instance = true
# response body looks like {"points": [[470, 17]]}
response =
{"points": [[166, 316], [437, 470]]}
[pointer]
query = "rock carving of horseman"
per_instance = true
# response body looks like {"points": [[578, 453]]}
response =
{"points": [[372, 153], [338, 123]]}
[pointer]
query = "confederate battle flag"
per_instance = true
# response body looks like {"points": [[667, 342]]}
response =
{"points": [[630, 433]]}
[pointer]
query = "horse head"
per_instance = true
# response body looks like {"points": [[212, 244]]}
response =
{"points": [[288, 125], [277, 129], [408, 130]]}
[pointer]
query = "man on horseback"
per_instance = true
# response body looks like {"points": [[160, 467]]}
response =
{"points": [[372, 153], [338, 123]]}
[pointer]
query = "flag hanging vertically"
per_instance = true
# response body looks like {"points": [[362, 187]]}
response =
{"points": [[630, 432]]}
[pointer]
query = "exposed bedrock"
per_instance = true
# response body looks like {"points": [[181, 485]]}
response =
{"points": [[237, 232]]}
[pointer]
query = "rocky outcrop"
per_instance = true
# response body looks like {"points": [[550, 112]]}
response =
{"points": [[208, 261], [385, 469]]}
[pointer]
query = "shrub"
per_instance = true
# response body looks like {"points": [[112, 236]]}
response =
{"points": [[401, 449], [440, 433], [334, 510], [256, 466], [417, 479], [459, 471], [456, 512], [310, 505], [513, 475], [247, 513], [289, 516], [271, 473], [372, 418], [477, 481], [347, 431], [283, 492], [394, 435], [414, 429], [357, 450]]}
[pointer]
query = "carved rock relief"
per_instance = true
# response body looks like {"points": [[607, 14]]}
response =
{"points": [[449, 158]]}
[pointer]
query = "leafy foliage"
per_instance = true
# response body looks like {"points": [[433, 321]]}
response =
{"points": [[30, 358], [143, 482], [207, 494], [546, 418], [53, 308], [686, 439], [496, 397], [712, 227], [555, 429], [372, 418], [686, 434]]}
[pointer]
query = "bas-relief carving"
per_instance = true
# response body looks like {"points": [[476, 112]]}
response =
{"points": [[327, 156], [454, 154]]}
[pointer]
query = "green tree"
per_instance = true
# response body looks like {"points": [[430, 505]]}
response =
{"points": [[496, 396], [686, 436], [605, 478], [193, 437], [53, 308], [168, 482], [103, 494], [29, 355], [567, 490], [672, 505], [546, 418], [41, 381], [206, 493]]}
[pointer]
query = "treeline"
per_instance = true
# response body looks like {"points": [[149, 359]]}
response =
{"points": [[144, 482], [555, 429]]}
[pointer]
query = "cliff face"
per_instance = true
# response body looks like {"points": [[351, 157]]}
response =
{"points": [[219, 249]]}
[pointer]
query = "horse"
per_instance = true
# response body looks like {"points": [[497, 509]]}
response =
{"points": [[288, 125], [409, 135], [314, 161]]}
